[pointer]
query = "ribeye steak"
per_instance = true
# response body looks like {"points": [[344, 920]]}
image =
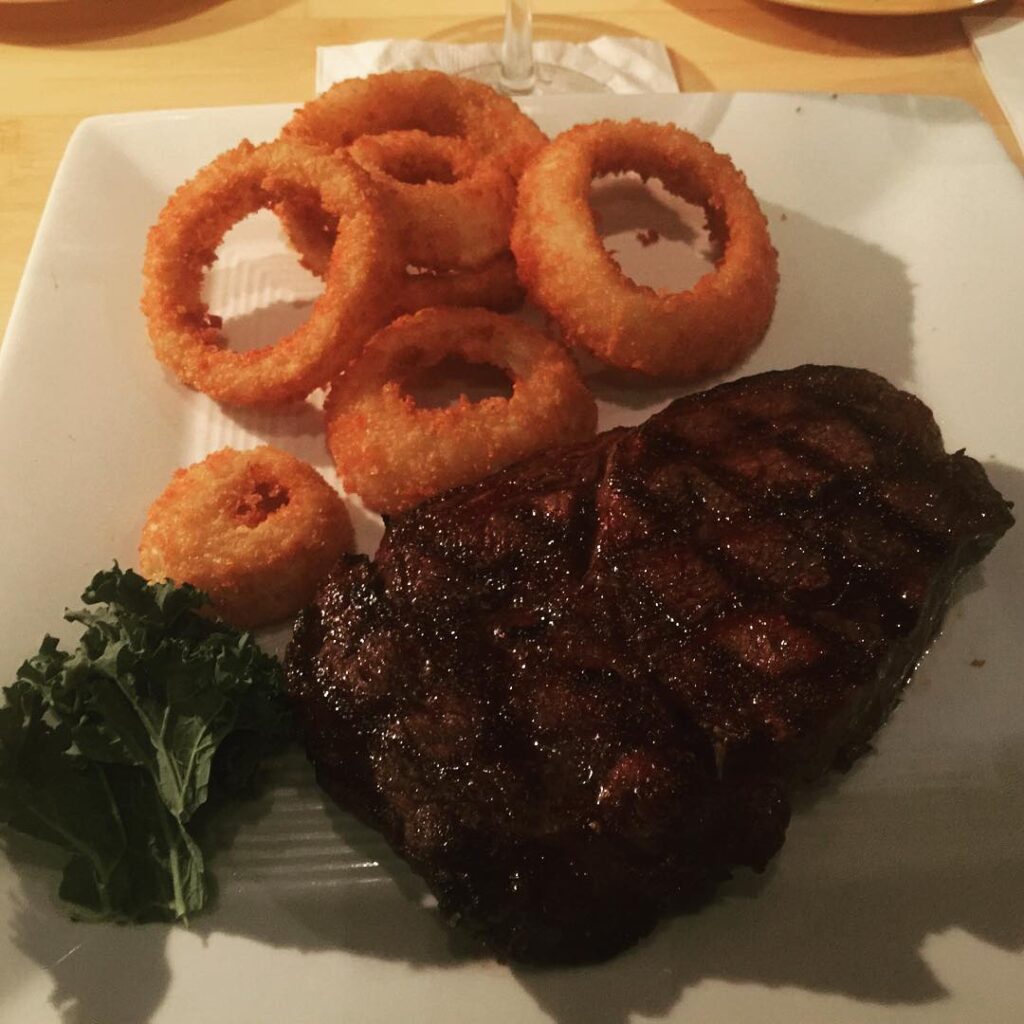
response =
{"points": [[575, 695]]}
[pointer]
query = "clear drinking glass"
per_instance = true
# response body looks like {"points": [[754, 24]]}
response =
{"points": [[517, 73]]}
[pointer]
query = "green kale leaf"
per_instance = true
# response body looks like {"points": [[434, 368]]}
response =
{"points": [[110, 750]]}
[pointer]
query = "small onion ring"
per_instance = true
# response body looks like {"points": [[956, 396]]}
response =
{"points": [[430, 101], [359, 285], [461, 223], [254, 530], [569, 273], [395, 454]]}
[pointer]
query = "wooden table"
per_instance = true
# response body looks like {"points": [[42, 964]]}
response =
{"points": [[63, 61]]}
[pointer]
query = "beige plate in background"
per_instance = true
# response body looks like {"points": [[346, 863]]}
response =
{"points": [[885, 7]]}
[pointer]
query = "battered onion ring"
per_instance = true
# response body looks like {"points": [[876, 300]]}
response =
{"points": [[255, 530], [430, 101], [359, 283], [495, 285], [452, 207], [394, 454], [567, 270], [461, 223]]}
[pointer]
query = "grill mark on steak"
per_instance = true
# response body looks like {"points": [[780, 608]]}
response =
{"points": [[803, 609], [875, 587], [575, 695]]}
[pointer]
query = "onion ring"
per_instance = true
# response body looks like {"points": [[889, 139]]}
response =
{"points": [[359, 286], [569, 273], [394, 454], [254, 530], [459, 223], [430, 101], [495, 285]]}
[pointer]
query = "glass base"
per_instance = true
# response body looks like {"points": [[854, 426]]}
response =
{"points": [[547, 79]]}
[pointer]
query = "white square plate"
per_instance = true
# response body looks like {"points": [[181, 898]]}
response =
{"points": [[899, 894]]}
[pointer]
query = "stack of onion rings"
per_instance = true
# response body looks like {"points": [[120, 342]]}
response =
{"points": [[254, 530], [394, 454], [451, 207], [569, 273], [448, 227], [429, 101], [359, 286]]}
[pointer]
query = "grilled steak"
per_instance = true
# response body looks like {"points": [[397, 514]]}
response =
{"points": [[575, 695]]}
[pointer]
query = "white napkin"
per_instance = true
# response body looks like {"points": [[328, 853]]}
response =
{"points": [[998, 41], [624, 65]]}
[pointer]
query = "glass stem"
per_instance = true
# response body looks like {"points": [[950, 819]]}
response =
{"points": [[517, 71]]}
